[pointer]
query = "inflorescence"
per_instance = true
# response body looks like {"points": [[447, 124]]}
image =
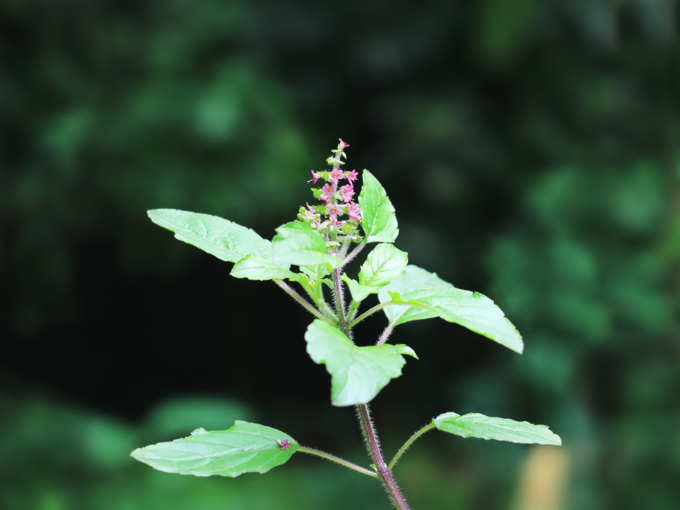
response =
{"points": [[337, 201]]}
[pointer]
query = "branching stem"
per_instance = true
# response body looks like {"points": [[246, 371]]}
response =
{"points": [[408, 443], [383, 338], [352, 254], [343, 462], [340, 300], [303, 301], [370, 312]]}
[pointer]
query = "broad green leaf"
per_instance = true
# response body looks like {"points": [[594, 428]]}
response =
{"points": [[244, 448], [411, 277], [260, 268], [358, 373], [359, 292], [414, 275], [382, 266], [500, 429], [378, 217], [299, 244], [219, 237], [469, 309]]}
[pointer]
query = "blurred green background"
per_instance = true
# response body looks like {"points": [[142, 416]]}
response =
{"points": [[531, 151]]}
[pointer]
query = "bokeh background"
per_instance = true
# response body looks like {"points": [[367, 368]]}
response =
{"points": [[531, 149]]}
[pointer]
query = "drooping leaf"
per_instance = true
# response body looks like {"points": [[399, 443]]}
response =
{"points": [[222, 238], [260, 268], [359, 292], [244, 448], [469, 309], [298, 244], [379, 219], [500, 429], [382, 266], [358, 373]]}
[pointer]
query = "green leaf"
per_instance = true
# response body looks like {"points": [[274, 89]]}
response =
{"points": [[260, 268], [382, 266], [316, 272], [311, 286], [298, 244], [379, 219], [414, 275], [219, 237], [358, 373], [244, 448], [469, 309], [500, 429], [359, 292]]}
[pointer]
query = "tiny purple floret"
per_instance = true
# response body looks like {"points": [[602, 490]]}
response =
{"points": [[328, 192], [283, 443], [315, 176], [343, 144], [352, 176], [354, 211], [347, 192]]}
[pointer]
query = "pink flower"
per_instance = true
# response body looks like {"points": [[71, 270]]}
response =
{"points": [[347, 192], [328, 192], [354, 212], [337, 174], [310, 208], [343, 144], [333, 211], [316, 177], [352, 176]]}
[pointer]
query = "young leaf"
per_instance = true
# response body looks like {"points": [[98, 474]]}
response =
{"points": [[244, 448], [469, 309], [359, 292], [316, 272], [382, 266], [225, 240], [500, 429], [260, 268], [358, 373], [312, 287], [298, 244], [379, 219]]}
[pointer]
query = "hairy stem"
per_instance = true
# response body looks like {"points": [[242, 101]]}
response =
{"points": [[383, 338], [303, 301], [374, 449], [339, 299], [408, 443], [352, 254], [370, 312], [338, 460]]}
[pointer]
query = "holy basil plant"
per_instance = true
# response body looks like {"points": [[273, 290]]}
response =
{"points": [[319, 244]]}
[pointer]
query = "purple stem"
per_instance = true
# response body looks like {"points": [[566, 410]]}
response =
{"points": [[374, 450], [388, 329]]}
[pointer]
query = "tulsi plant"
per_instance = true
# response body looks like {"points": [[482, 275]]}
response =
{"points": [[323, 239]]}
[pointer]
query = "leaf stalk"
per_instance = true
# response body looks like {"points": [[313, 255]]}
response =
{"points": [[408, 443], [338, 460]]}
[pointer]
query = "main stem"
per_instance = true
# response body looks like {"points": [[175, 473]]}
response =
{"points": [[374, 449], [367, 428]]}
